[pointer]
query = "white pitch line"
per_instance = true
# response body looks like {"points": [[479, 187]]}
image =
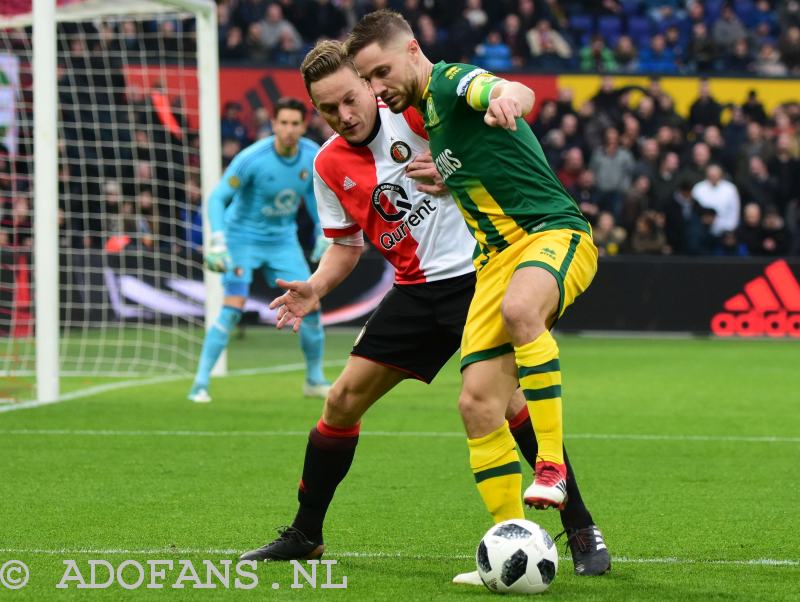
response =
{"points": [[425, 434], [88, 392], [394, 555]]}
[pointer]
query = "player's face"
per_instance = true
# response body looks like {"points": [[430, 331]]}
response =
{"points": [[392, 72], [346, 102], [288, 127]]}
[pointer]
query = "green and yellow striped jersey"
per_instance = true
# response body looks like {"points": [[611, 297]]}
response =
{"points": [[500, 178]]}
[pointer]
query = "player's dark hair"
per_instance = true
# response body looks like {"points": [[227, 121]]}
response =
{"points": [[294, 104], [382, 27], [325, 59]]}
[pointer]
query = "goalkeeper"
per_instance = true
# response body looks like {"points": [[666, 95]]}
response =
{"points": [[253, 212]]}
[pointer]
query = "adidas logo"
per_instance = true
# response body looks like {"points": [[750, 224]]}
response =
{"points": [[348, 183], [769, 305]]}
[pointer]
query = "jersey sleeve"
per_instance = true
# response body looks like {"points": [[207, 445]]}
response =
{"points": [[234, 179], [471, 83], [334, 219]]}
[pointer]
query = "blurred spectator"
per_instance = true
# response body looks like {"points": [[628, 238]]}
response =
{"points": [[324, 19], [758, 186], [648, 237], [625, 55], [785, 167], [548, 47], [657, 58], [270, 34], [607, 236], [469, 29], [701, 53], [514, 38], [262, 123], [753, 108], [684, 225], [749, 232], [571, 168], [776, 236], [493, 54], [637, 201], [429, 40], [546, 120], [230, 148], [720, 195], [585, 194], [730, 246], [233, 47], [597, 57], [232, 125], [740, 60], [665, 181], [191, 217], [789, 48], [614, 167], [727, 29], [649, 159], [768, 61], [17, 224], [705, 110]]}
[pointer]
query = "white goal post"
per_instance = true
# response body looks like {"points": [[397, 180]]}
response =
{"points": [[150, 339]]}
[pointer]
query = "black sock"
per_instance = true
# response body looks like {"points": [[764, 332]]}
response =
{"points": [[329, 454], [575, 515]]}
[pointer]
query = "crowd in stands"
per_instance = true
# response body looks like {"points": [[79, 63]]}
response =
{"points": [[758, 37], [724, 180]]}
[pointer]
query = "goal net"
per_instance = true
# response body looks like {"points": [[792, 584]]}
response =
{"points": [[133, 162]]}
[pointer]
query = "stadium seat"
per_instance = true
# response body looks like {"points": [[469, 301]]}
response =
{"points": [[610, 26], [640, 30], [581, 26], [631, 7]]}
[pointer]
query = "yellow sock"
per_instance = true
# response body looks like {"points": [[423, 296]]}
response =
{"points": [[495, 464], [540, 378]]}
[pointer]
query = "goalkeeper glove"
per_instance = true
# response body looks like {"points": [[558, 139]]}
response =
{"points": [[218, 259], [320, 246]]}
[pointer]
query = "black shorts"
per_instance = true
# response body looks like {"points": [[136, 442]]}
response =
{"points": [[417, 327]]}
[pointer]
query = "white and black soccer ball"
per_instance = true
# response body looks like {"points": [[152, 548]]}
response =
{"points": [[517, 556]]}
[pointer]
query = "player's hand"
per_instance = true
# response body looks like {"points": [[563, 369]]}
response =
{"points": [[503, 113], [423, 169], [298, 301], [321, 245], [218, 259]]}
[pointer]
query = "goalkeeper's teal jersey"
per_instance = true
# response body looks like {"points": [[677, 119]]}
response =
{"points": [[500, 178], [259, 195]]}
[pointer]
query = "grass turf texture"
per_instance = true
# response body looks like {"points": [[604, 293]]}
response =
{"points": [[685, 503]]}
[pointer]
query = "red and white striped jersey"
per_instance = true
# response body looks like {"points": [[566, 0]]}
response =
{"points": [[365, 188]]}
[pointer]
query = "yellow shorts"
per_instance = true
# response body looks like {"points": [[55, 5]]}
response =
{"points": [[569, 255]]}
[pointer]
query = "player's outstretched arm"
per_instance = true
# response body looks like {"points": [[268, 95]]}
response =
{"points": [[508, 101], [301, 298]]}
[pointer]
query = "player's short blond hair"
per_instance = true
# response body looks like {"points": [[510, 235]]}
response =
{"points": [[380, 27], [325, 59]]}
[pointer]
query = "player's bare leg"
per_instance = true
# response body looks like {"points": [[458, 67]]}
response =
{"points": [[214, 344], [329, 454], [529, 305]]}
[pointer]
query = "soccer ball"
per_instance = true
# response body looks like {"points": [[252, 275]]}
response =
{"points": [[517, 556]]}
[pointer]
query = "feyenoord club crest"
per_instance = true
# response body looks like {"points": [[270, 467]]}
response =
{"points": [[400, 152], [303, 174]]}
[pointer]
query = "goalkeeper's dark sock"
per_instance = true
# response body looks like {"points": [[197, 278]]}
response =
{"points": [[575, 515], [329, 454], [215, 342]]}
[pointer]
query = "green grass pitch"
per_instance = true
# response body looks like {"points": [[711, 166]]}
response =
{"points": [[687, 453]]}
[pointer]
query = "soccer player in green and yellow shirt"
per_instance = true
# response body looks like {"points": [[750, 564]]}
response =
{"points": [[533, 258]]}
